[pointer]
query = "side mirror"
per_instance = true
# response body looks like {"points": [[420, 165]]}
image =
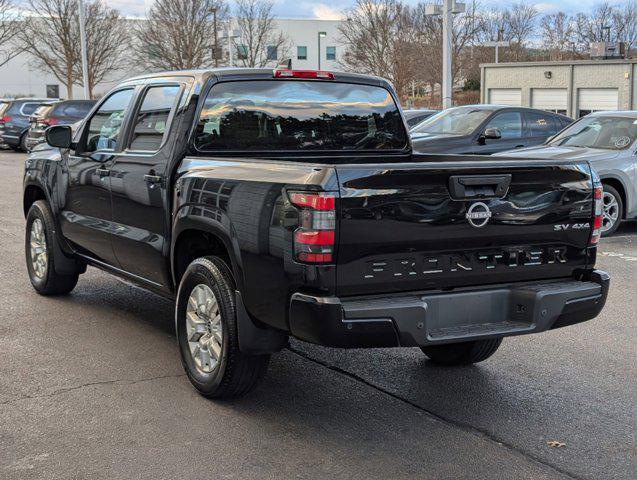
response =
{"points": [[59, 136], [492, 134]]}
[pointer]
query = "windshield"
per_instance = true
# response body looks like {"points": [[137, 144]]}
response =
{"points": [[299, 115], [455, 121], [608, 133]]}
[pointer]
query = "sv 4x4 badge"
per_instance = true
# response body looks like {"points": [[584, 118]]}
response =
{"points": [[567, 226]]}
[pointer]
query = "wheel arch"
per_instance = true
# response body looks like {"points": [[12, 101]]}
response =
{"points": [[618, 185], [32, 193], [194, 237]]}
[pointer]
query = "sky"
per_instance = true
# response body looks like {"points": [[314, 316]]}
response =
{"points": [[331, 9]]}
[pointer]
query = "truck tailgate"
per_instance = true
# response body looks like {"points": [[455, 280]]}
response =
{"points": [[460, 222]]}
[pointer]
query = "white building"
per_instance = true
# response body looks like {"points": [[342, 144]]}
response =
{"points": [[20, 78]]}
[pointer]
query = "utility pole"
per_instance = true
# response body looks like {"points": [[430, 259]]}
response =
{"points": [[85, 79], [320, 35], [447, 11], [216, 49]]}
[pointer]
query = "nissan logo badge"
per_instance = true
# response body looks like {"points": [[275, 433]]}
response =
{"points": [[478, 215]]}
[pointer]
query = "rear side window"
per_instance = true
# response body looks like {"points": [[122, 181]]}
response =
{"points": [[152, 118], [289, 115], [77, 110], [29, 108], [540, 125]]}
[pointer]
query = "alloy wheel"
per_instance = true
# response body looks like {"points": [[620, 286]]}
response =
{"points": [[37, 245], [204, 329], [610, 213]]}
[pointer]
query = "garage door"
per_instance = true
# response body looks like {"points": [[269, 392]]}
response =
{"points": [[551, 99], [505, 96], [595, 99]]}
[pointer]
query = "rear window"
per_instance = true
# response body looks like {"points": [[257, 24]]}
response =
{"points": [[29, 108], [299, 115]]}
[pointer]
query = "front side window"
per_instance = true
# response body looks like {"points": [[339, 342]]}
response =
{"points": [[330, 53], [106, 123], [151, 120], [299, 115], [301, 53], [272, 52], [509, 124], [606, 133]]}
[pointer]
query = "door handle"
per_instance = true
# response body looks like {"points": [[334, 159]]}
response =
{"points": [[152, 179], [519, 146], [103, 172], [479, 186]]}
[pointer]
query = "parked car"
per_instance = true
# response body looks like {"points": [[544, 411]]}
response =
{"points": [[414, 117], [485, 129], [290, 203], [609, 141], [64, 112], [14, 123]]}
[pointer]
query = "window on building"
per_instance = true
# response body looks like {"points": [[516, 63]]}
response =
{"points": [[52, 91], [330, 53], [301, 53], [272, 52], [242, 52], [152, 118]]}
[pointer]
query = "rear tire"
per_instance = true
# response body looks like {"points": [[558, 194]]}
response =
{"points": [[40, 254], [613, 210], [23, 143], [206, 325], [464, 353]]}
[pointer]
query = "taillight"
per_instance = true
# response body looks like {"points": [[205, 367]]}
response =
{"points": [[286, 73], [5, 119], [49, 122], [598, 214], [314, 239]]}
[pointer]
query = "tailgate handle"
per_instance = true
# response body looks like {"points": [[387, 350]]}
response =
{"points": [[479, 186]]}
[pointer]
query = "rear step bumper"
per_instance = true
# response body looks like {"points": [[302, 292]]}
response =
{"points": [[419, 319]]}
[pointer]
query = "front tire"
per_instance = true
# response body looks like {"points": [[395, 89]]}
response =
{"points": [[206, 325], [465, 353], [613, 210], [40, 254]]}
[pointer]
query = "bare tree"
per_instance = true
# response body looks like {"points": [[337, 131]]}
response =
{"points": [[558, 35], [258, 32], [9, 28], [595, 27], [380, 40], [51, 37], [516, 25], [625, 23], [107, 38], [179, 34]]}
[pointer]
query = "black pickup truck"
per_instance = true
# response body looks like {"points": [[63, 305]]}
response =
{"points": [[275, 203]]}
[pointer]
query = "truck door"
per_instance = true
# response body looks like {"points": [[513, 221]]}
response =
{"points": [[86, 217], [139, 185]]}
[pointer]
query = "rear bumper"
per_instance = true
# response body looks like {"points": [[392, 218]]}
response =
{"points": [[419, 319]]}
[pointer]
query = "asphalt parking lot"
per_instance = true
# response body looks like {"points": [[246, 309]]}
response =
{"points": [[91, 386]]}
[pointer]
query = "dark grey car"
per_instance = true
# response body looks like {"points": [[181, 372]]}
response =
{"points": [[609, 141], [66, 112], [414, 117], [485, 129], [14, 122]]}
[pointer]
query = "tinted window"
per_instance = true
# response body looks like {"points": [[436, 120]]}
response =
{"points": [[75, 109], [301, 53], [330, 53], [540, 125], [106, 122], [509, 124], [29, 108], [299, 115], [151, 120]]}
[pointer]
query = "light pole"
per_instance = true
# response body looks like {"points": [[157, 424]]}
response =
{"points": [[87, 93], [497, 46], [320, 35], [446, 10]]}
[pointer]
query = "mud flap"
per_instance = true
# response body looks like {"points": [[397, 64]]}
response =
{"points": [[255, 340]]}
